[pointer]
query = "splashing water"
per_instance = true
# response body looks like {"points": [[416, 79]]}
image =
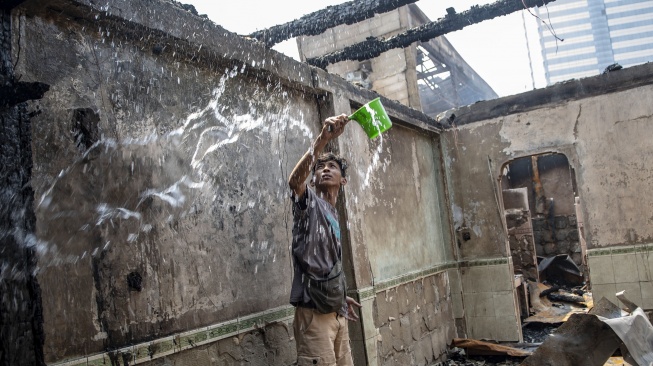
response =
{"points": [[120, 189]]}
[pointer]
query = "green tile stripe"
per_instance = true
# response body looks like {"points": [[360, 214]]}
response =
{"points": [[370, 292], [145, 352], [485, 262], [148, 351], [638, 248]]}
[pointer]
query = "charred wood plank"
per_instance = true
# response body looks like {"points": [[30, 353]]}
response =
{"points": [[21, 311], [9, 4], [318, 22], [373, 47], [10, 95], [566, 298]]}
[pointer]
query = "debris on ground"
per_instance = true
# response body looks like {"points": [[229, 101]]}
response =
{"points": [[558, 310], [582, 340], [635, 331], [475, 347], [567, 329], [458, 357], [593, 339], [536, 333], [560, 270]]}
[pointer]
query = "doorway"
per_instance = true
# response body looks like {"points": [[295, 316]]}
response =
{"points": [[543, 222]]}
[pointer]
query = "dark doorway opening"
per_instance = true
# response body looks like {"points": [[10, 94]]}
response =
{"points": [[543, 222]]}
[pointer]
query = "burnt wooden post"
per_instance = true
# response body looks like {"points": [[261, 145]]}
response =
{"points": [[21, 319]]}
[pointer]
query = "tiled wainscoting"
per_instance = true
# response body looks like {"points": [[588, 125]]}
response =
{"points": [[394, 312], [628, 268], [148, 351], [490, 310]]}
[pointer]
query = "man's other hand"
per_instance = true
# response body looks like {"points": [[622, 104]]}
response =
{"points": [[351, 313]]}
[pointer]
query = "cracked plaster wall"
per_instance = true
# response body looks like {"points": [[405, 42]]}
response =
{"points": [[606, 139], [201, 215], [160, 185]]}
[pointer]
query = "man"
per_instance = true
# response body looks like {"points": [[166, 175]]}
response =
{"points": [[322, 338]]}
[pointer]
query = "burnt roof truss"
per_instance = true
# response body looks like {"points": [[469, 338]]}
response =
{"points": [[373, 47]]}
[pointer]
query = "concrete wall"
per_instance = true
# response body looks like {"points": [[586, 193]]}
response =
{"points": [[400, 235], [185, 189], [600, 124], [163, 222], [160, 158]]}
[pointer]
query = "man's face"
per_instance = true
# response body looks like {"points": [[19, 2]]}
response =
{"points": [[328, 174]]}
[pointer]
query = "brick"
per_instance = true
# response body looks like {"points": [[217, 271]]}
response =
{"points": [[550, 248], [560, 222], [351, 36], [438, 343], [539, 249], [573, 235], [343, 67], [429, 317], [429, 291], [401, 97], [384, 24], [386, 343], [417, 325], [389, 63], [396, 332], [561, 235], [564, 247], [403, 358], [398, 88], [380, 83], [539, 224], [386, 307], [573, 220], [409, 301], [406, 333], [424, 351], [419, 292]]}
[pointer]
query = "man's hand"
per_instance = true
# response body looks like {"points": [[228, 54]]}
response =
{"points": [[334, 127], [351, 313]]}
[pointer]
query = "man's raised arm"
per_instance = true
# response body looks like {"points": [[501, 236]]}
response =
{"points": [[332, 128]]}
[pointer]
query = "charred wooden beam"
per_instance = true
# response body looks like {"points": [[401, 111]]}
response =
{"points": [[373, 47], [21, 311], [9, 4], [10, 95], [318, 22]]}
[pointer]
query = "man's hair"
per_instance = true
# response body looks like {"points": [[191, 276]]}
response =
{"points": [[342, 163]]}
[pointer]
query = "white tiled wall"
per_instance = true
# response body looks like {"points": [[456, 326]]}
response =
{"points": [[490, 310], [627, 268]]}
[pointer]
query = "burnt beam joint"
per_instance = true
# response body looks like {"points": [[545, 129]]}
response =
{"points": [[373, 47], [10, 4], [318, 22]]}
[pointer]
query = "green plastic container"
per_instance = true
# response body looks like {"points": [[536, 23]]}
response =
{"points": [[373, 118]]}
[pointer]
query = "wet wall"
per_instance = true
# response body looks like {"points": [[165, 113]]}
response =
{"points": [[21, 317], [600, 124], [160, 185], [162, 214]]}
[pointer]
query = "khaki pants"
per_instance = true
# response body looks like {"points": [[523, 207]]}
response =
{"points": [[322, 339]]}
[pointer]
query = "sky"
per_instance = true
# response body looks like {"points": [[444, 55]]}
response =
{"points": [[497, 49]]}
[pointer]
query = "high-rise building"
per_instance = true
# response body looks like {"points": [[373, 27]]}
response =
{"points": [[596, 34]]}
